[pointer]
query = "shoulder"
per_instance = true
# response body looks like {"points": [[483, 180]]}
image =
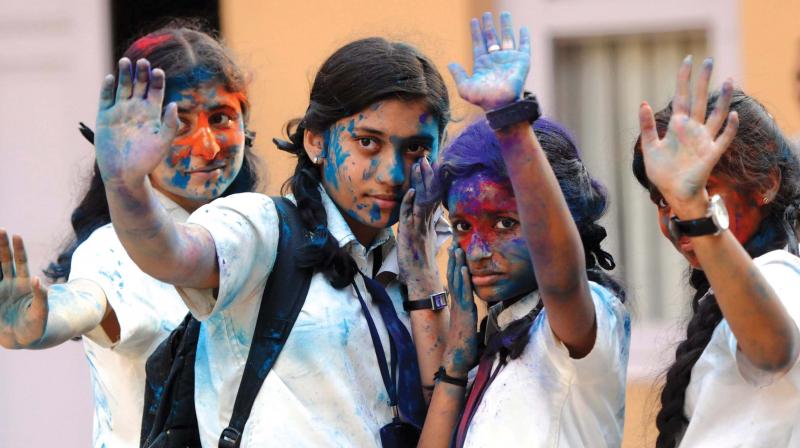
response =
{"points": [[606, 299], [779, 260], [103, 242]]}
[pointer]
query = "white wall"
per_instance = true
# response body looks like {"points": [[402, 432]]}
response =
{"points": [[53, 55]]}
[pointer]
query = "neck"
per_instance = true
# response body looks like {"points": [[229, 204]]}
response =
{"points": [[364, 234], [190, 205]]}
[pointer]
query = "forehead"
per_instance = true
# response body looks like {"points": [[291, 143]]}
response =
{"points": [[210, 93], [398, 118], [480, 193]]}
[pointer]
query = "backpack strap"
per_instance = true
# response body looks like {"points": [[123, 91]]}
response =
{"points": [[283, 298]]}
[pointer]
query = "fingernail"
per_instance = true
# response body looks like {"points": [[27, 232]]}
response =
{"points": [[708, 62], [687, 59]]}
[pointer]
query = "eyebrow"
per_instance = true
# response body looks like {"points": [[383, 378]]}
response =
{"points": [[370, 131]]}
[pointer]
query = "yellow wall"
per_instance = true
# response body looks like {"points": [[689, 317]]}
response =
{"points": [[769, 36], [284, 42]]}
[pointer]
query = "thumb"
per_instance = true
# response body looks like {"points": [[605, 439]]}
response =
{"points": [[169, 124], [39, 307]]}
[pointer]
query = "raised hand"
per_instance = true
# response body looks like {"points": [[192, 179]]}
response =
{"points": [[462, 338], [131, 137], [499, 66], [23, 300], [679, 164], [416, 244]]}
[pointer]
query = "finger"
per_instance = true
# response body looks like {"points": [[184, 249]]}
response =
{"points": [[107, 92], [506, 32], [20, 257], [451, 261], [155, 93], [416, 176], [5, 256], [717, 117], [407, 205], [701, 92], [489, 34], [427, 174], [124, 86], [458, 286], [478, 46], [169, 124], [525, 40], [458, 73], [724, 140], [647, 125], [142, 77], [680, 103], [38, 307], [466, 285]]}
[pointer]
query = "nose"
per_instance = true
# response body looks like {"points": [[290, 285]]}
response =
{"points": [[206, 146], [477, 249], [394, 172]]}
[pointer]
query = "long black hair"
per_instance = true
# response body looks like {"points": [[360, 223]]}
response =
{"points": [[177, 48], [354, 77], [755, 155], [477, 150]]}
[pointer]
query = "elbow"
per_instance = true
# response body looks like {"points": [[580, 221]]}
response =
{"points": [[783, 356]]}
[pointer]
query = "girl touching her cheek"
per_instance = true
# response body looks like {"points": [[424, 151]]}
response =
{"points": [[524, 211]]}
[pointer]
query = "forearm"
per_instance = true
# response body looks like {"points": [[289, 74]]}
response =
{"points": [[765, 332], [171, 252], [442, 417], [553, 240], [429, 328], [73, 310]]}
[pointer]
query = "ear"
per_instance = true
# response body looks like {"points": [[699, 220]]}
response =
{"points": [[768, 195], [314, 145]]}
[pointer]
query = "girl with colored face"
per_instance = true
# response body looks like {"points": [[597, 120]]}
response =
{"points": [[120, 312], [376, 113], [524, 213], [735, 376]]}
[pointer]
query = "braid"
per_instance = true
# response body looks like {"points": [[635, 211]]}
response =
{"points": [[322, 252], [706, 315]]}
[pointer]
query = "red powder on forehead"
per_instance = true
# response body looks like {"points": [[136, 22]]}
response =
{"points": [[147, 43]]}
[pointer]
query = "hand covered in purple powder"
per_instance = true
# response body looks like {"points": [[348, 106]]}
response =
{"points": [[462, 337]]}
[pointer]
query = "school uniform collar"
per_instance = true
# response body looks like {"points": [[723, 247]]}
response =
{"points": [[517, 310], [175, 211]]}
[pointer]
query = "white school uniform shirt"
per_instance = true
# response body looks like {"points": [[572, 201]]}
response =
{"points": [[147, 311], [325, 389], [732, 403], [545, 398]]}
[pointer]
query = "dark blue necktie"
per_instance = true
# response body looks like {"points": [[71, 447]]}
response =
{"points": [[410, 402]]}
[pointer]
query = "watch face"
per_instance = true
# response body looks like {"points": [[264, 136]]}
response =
{"points": [[719, 213]]}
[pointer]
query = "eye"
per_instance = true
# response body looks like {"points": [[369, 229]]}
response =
{"points": [[461, 226], [506, 224], [367, 143], [416, 149], [220, 119]]}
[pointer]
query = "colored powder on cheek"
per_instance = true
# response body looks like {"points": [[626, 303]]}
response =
{"points": [[375, 213], [371, 170], [397, 172], [180, 179], [336, 156]]}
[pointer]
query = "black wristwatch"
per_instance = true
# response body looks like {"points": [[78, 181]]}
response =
{"points": [[715, 221], [525, 109], [433, 302], [441, 375]]}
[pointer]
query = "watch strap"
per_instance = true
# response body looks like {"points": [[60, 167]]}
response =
{"points": [[433, 302], [442, 376], [524, 109], [694, 227]]}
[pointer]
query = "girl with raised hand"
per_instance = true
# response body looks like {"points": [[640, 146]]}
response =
{"points": [[728, 201], [524, 212], [121, 312], [376, 108]]}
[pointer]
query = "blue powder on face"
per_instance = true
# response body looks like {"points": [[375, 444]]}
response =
{"points": [[336, 155], [180, 179], [375, 213], [188, 80]]}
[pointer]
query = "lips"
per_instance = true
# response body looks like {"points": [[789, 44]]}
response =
{"points": [[208, 168], [486, 278], [386, 201]]}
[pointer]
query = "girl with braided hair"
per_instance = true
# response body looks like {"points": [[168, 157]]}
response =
{"points": [[727, 190], [377, 112], [525, 213]]}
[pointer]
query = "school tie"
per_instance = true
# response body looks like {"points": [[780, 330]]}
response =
{"points": [[479, 386], [411, 403]]}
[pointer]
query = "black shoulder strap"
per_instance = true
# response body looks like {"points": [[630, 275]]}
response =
{"points": [[283, 298]]}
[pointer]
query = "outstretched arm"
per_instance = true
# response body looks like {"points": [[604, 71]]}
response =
{"points": [[499, 72], [131, 140], [679, 166], [33, 316]]}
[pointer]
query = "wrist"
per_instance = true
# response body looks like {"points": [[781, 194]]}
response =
{"points": [[692, 208]]}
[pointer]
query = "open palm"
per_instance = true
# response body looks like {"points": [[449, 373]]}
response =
{"points": [[131, 138], [23, 300], [499, 71], [679, 164]]}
